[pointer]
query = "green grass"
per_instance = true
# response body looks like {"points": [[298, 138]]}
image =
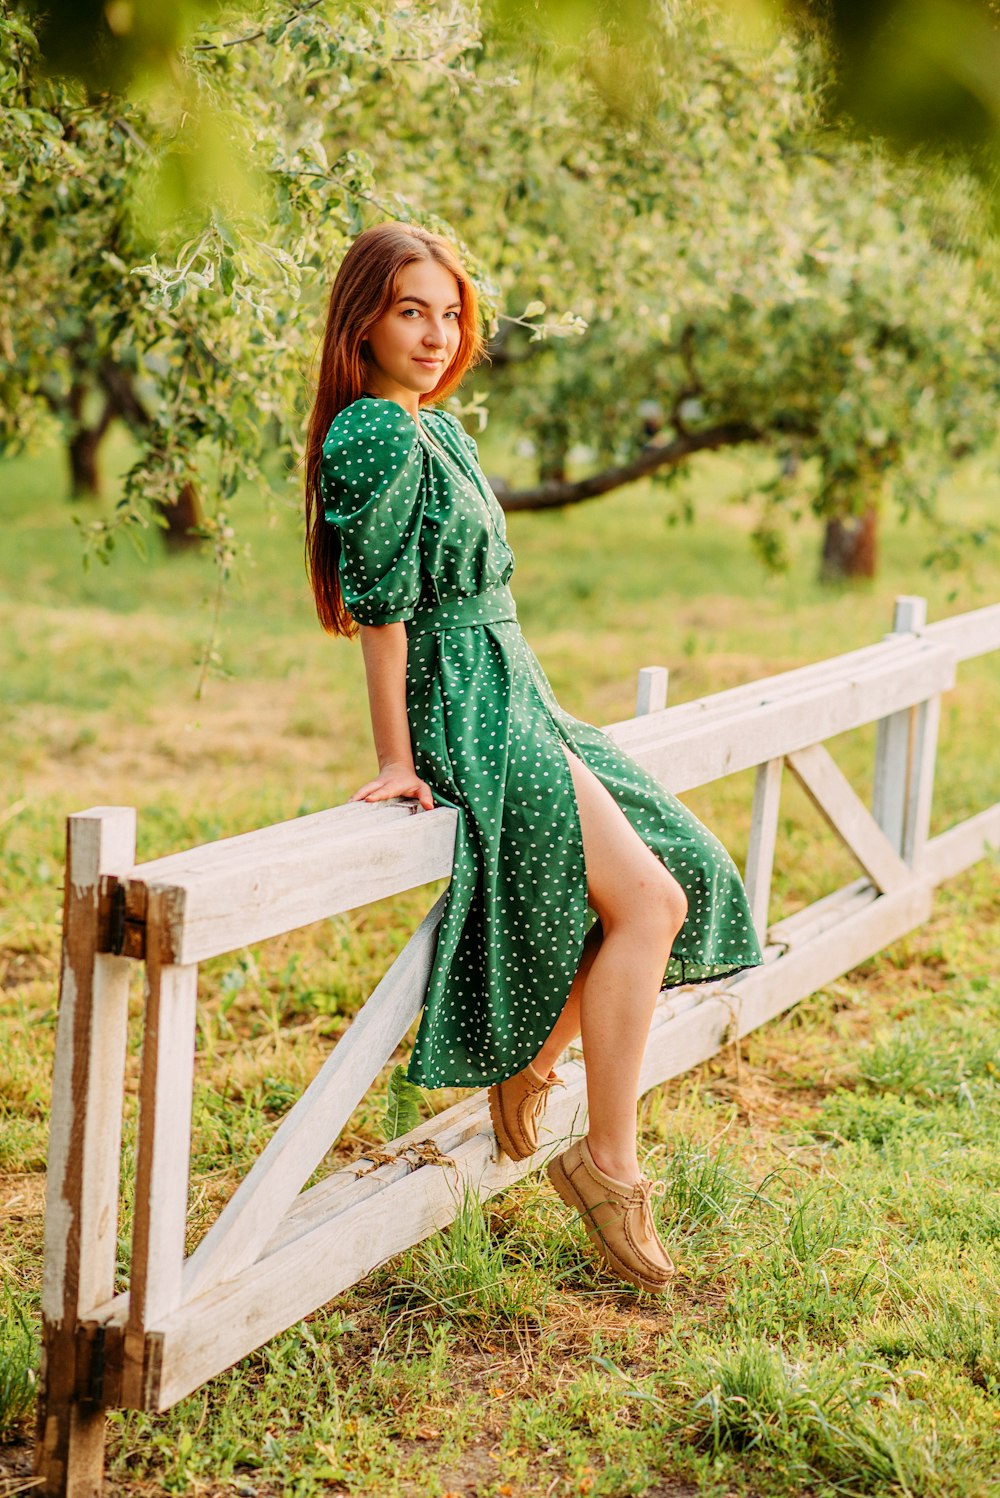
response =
{"points": [[830, 1191], [17, 1364]]}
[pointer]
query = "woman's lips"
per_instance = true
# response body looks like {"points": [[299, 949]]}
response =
{"points": [[431, 363]]}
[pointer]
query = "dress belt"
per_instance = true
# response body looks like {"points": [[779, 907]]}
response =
{"points": [[489, 607]]}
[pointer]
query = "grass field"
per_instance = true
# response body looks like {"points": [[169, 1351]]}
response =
{"points": [[831, 1190]]}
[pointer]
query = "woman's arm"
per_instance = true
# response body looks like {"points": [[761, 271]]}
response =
{"points": [[384, 649]]}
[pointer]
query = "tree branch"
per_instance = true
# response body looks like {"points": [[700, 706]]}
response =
{"points": [[254, 36], [654, 456], [122, 398]]}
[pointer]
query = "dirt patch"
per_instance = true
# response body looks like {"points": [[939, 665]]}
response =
{"points": [[15, 1470]]}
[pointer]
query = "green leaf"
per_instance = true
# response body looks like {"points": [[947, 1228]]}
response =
{"points": [[402, 1107], [226, 233]]}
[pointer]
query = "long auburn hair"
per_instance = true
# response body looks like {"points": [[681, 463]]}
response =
{"points": [[363, 290]]}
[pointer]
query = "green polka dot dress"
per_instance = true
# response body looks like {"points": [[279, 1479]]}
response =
{"points": [[423, 539]]}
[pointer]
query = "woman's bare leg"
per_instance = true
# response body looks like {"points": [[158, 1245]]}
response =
{"points": [[641, 907], [567, 1026]]}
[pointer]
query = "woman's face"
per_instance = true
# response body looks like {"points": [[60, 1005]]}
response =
{"points": [[413, 343]]}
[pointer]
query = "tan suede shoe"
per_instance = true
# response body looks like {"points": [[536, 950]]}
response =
{"points": [[516, 1106], [618, 1217]]}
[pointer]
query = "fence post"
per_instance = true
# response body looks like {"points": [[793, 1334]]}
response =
{"points": [[164, 1147], [763, 836], [81, 1199], [905, 747], [651, 695]]}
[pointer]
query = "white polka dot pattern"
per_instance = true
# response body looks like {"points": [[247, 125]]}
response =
{"points": [[424, 540]]}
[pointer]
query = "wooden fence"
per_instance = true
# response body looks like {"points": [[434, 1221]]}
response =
{"points": [[276, 1251]]}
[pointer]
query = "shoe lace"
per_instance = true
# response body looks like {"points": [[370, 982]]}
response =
{"points": [[540, 1101], [646, 1190]]}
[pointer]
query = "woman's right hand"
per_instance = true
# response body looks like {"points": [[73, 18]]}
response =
{"points": [[396, 780]]}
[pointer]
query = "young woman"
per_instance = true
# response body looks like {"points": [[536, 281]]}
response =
{"points": [[580, 885]]}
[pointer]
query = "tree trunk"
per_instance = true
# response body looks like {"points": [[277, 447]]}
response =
{"points": [[850, 546], [85, 477], [552, 441], [182, 517]]}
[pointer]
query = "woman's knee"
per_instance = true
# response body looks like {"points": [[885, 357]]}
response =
{"points": [[654, 908]]}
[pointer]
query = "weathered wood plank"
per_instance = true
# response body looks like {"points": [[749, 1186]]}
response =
{"points": [[782, 684], [950, 852], [164, 1147], [833, 950], [703, 751], [976, 632], [305, 1135], [375, 1221], [247, 847], [848, 816], [81, 1202], [888, 652], [246, 889], [818, 916], [763, 836], [892, 770]]}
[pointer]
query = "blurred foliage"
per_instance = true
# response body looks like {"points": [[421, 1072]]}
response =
{"points": [[919, 72], [747, 271], [673, 238], [158, 240], [109, 44]]}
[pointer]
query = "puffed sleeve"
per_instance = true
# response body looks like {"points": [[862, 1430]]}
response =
{"points": [[373, 492], [467, 442]]}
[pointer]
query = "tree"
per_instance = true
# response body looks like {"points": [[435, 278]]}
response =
{"points": [[756, 272], [157, 245], [682, 225]]}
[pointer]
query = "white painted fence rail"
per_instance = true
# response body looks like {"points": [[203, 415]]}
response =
{"points": [[277, 1252]]}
